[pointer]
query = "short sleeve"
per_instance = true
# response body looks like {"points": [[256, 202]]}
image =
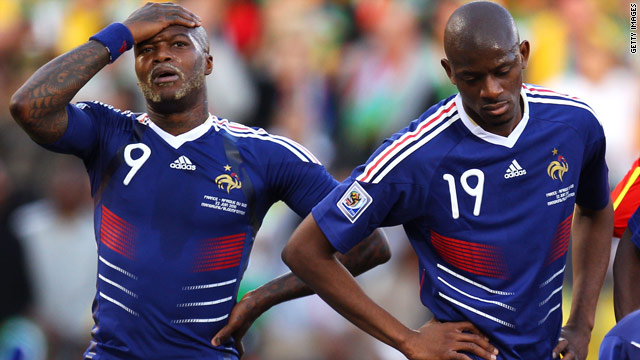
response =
{"points": [[301, 185], [593, 189], [355, 208], [81, 134], [291, 172], [88, 124]]}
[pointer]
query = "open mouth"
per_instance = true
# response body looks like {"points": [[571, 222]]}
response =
{"points": [[164, 75]]}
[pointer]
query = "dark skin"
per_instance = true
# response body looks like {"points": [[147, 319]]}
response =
{"points": [[171, 59], [488, 72], [626, 271], [309, 249], [485, 61]]}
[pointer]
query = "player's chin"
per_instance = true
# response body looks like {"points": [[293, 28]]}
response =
{"points": [[500, 118]]}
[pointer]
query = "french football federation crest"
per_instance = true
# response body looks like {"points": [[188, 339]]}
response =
{"points": [[354, 202], [558, 168], [231, 181]]}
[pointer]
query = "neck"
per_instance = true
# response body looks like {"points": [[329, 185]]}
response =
{"points": [[178, 117]]}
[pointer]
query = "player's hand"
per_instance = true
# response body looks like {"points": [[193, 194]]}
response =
{"points": [[573, 343], [242, 317], [439, 341], [152, 18]]}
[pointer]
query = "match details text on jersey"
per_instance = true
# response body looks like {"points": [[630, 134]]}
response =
{"points": [[228, 205], [561, 195]]}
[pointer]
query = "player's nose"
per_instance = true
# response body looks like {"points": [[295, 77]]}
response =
{"points": [[491, 88]]}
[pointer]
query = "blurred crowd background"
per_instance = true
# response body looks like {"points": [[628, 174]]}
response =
{"points": [[338, 76]]}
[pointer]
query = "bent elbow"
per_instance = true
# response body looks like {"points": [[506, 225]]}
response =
{"points": [[384, 250], [19, 108], [288, 256]]}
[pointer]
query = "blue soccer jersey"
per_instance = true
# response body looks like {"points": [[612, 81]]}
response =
{"points": [[175, 220], [623, 341], [488, 216]]}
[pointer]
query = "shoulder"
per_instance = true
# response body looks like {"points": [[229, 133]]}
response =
{"points": [[261, 144], [427, 137], [628, 328], [101, 108], [548, 103], [106, 113]]}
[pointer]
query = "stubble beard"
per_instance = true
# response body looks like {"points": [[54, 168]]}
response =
{"points": [[193, 83]]}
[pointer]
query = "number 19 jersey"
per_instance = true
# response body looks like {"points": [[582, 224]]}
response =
{"points": [[488, 216]]}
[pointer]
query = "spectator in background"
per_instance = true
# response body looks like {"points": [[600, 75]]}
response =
{"points": [[20, 338], [386, 78], [601, 80], [57, 236]]}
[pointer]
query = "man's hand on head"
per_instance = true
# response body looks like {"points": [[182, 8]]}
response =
{"points": [[152, 18]]}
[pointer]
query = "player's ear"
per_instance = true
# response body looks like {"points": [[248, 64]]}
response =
{"points": [[209, 64], [447, 68], [524, 53]]}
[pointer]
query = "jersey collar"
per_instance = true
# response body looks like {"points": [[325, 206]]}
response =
{"points": [[178, 140], [475, 129]]}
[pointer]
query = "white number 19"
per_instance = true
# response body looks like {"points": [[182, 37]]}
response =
{"points": [[473, 191]]}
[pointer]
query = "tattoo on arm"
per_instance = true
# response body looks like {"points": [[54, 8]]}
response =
{"points": [[39, 105]]}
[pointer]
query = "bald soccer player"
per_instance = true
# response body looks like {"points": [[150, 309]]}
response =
{"points": [[489, 184]]}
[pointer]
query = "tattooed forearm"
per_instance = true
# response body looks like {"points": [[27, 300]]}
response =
{"points": [[371, 252], [39, 105]]}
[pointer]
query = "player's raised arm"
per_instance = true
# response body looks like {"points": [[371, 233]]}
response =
{"points": [[371, 252], [591, 237], [311, 257], [39, 105]]}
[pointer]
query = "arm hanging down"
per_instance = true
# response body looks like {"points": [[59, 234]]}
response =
{"points": [[591, 236], [626, 272]]}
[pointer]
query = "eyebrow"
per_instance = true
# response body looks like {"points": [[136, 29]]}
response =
{"points": [[167, 38]]}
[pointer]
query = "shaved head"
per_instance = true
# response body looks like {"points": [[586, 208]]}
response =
{"points": [[478, 26], [201, 38], [485, 60]]}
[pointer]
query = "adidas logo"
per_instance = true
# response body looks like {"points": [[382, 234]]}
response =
{"points": [[182, 163], [514, 170]]}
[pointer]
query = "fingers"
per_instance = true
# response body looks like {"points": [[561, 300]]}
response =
{"points": [[458, 356], [222, 336], [177, 15], [483, 352], [479, 345], [560, 348], [239, 346]]}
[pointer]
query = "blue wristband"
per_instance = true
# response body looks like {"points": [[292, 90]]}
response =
{"points": [[116, 38]]}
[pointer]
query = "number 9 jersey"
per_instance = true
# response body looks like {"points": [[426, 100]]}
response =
{"points": [[175, 219], [488, 216]]}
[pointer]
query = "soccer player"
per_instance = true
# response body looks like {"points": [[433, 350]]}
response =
{"points": [[489, 184], [623, 341], [626, 199], [179, 194]]}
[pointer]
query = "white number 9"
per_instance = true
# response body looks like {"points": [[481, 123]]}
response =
{"points": [[135, 164]]}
